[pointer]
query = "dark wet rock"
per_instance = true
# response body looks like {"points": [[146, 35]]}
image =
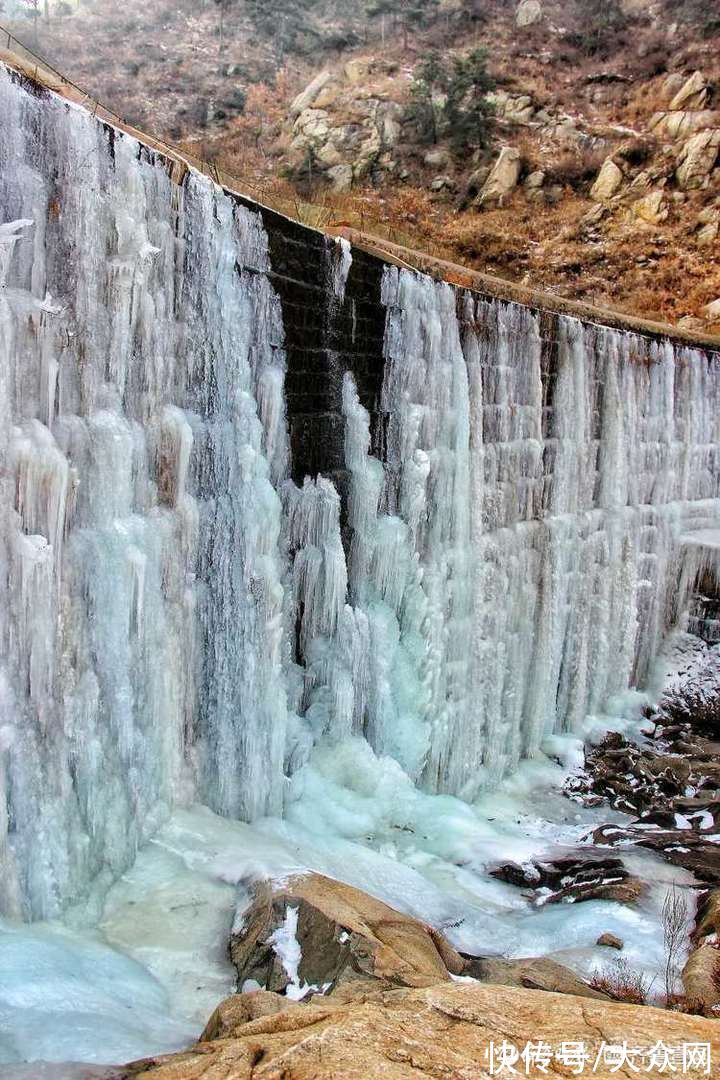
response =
{"points": [[681, 847], [573, 879], [632, 779]]}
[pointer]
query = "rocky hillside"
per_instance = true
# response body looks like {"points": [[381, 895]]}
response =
{"points": [[579, 154]]}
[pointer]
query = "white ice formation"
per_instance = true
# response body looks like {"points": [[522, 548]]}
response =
{"points": [[180, 622]]}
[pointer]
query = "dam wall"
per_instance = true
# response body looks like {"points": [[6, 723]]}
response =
{"points": [[263, 491]]}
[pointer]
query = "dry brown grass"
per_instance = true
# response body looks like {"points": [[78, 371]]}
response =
{"points": [[160, 66], [622, 983]]}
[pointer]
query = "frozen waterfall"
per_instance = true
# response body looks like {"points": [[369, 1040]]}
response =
{"points": [[181, 622]]}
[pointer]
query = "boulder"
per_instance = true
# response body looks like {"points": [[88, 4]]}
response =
{"points": [[708, 225], [503, 177], [707, 917], [534, 180], [573, 879], [592, 218], [692, 94], [608, 181], [681, 125], [610, 941], [707, 234], [340, 177], [651, 209], [473, 186], [357, 71], [240, 1009], [307, 96], [671, 84], [692, 324], [534, 973], [697, 159], [528, 13], [311, 934], [314, 124], [387, 119], [512, 108], [437, 158], [712, 311], [448, 1030], [701, 978], [681, 847], [329, 96]]}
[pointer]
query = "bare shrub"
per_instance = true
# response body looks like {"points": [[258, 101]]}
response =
{"points": [[674, 921], [637, 151], [622, 983], [576, 168]]}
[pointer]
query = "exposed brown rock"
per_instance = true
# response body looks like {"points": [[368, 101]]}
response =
{"points": [[692, 94], [343, 934], [608, 181], [701, 974], [503, 177], [701, 979], [697, 159], [442, 1031], [610, 941], [534, 973]]}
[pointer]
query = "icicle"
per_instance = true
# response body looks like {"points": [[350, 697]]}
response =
{"points": [[179, 622]]}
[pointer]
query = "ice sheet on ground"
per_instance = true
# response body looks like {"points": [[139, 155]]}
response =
{"points": [[151, 984], [67, 996]]}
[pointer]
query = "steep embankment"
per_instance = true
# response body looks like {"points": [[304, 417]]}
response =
{"points": [[621, 89]]}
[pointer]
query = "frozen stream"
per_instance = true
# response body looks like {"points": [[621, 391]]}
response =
{"points": [[213, 665], [148, 978]]}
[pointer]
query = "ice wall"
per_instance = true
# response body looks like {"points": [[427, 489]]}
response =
{"points": [[143, 441], [496, 554]]}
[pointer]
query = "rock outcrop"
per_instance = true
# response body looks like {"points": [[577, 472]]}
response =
{"points": [[307, 96], [697, 159], [693, 94], [312, 934], [651, 209], [610, 941], [708, 226], [447, 1030], [683, 124], [701, 974], [572, 879], [533, 973], [340, 131], [608, 182], [528, 13], [503, 177], [512, 108]]}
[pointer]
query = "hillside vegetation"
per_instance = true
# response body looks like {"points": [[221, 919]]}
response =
{"points": [[569, 144]]}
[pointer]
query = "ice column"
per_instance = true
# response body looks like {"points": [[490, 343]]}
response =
{"points": [[142, 439]]}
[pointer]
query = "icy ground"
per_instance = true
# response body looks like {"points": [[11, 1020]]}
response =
{"points": [[147, 978]]}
